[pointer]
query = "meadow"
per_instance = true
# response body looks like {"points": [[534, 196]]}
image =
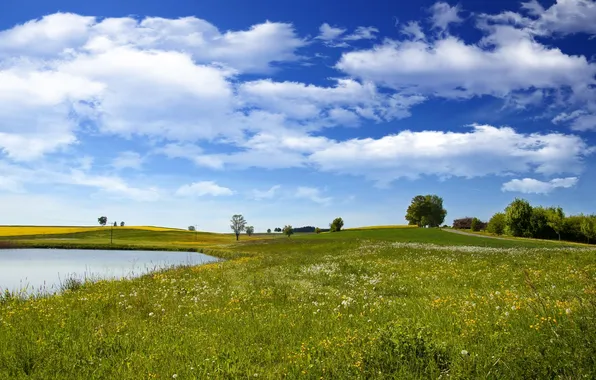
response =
{"points": [[378, 303]]}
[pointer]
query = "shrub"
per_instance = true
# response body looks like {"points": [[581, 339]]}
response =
{"points": [[496, 224]]}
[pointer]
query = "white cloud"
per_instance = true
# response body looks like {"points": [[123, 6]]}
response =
{"points": [[251, 50], [313, 194], [203, 188], [505, 61], [314, 103], [564, 17], [132, 160], [443, 15], [581, 120], [534, 186], [413, 30], [329, 33], [363, 33], [486, 150], [265, 194]]}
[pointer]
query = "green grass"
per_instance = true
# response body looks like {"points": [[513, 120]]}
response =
{"points": [[403, 304]]}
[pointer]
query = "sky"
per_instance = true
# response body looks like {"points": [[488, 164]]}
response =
{"points": [[182, 113]]}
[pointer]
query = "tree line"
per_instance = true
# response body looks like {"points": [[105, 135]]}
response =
{"points": [[103, 220], [238, 225], [521, 219]]}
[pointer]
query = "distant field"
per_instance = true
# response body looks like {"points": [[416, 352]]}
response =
{"points": [[380, 227], [53, 230]]}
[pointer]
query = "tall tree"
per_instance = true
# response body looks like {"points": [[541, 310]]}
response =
{"points": [[288, 230], [103, 220], [268, 230], [426, 210], [336, 225], [518, 216], [115, 224], [556, 219], [238, 224], [250, 230]]}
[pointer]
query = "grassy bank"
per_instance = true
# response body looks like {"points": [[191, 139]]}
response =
{"points": [[409, 303]]}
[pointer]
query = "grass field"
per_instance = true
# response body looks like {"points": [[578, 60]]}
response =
{"points": [[380, 303]]}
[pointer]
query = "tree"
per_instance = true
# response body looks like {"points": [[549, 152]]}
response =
{"points": [[317, 230], [103, 220], [588, 227], [496, 224], [475, 225], [191, 228], [288, 230], [336, 225], [250, 230], [268, 230], [115, 224], [277, 229], [238, 224], [426, 210], [518, 217], [121, 224], [556, 219]]}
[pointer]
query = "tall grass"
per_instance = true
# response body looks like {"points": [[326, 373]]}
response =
{"points": [[312, 308]]}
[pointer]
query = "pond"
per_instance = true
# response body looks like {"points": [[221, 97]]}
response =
{"points": [[45, 270]]}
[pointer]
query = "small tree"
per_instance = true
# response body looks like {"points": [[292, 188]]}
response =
{"points": [[288, 230], [556, 219], [238, 224], [317, 230], [496, 224], [475, 225], [121, 224], [268, 230], [250, 230], [115, 224], [191, 228], [103, 220], [336, 225]]}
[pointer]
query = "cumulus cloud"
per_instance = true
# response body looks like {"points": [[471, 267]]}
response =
{"points": [[486, 150], [203, 188], [534, 186], [505, 61], [564, 17]]}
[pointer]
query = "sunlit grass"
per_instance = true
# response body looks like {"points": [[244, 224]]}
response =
{"points": [[402, 303], [380, 227]]}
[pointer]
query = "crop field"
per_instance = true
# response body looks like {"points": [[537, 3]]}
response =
{"points": [[379, 303], [55, 230]]}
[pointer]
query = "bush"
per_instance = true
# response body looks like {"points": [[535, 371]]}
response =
{"points": [[496, 224]]}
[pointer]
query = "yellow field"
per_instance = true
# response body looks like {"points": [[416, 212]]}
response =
{"points": [[53, 230], [380, 227]]}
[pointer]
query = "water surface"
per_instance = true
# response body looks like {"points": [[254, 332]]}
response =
{"points": [[44, 270]]}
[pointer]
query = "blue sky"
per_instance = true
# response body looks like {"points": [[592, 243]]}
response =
{"points": [[177, 113]]}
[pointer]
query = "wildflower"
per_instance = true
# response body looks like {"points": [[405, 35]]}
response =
{"points": [[567, 311], [464, 352], [151, 314], [174, 376]]}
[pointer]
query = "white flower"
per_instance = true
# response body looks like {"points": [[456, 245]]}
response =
{"points": [[464, 352], [151, 314], [567, 311], [174, 376]]}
